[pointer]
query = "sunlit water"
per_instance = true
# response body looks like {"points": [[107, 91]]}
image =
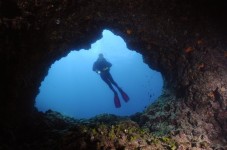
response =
{"points": [[73, 89]]}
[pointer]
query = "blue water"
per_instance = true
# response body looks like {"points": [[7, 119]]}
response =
{"points": [[73, 89]]}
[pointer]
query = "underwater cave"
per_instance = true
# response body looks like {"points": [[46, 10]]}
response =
{"points": [[183, 40]]}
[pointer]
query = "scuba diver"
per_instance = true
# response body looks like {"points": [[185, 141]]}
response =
{"points": [[102, 67]]}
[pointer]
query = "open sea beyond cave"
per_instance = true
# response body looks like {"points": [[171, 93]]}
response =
{"points": [[74, 89]]}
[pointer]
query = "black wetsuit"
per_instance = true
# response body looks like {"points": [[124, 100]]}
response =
{"points": [[102, 67]]}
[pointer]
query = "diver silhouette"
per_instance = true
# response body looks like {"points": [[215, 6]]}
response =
{"points": [[102, 67]]}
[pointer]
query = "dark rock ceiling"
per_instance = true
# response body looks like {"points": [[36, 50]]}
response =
{"points": [[185, 40]]}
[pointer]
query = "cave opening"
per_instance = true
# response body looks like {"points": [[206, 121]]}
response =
{"points": [[74, 89]]}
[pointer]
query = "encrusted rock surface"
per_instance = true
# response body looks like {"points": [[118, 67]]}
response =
{"points": [[185, 40]]}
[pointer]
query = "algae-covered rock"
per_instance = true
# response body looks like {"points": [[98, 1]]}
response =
{"points": [[121, 135]]}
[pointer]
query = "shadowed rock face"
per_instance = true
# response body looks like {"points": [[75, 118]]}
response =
{"points": [[186, 41]]}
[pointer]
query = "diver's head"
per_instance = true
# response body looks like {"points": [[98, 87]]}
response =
{"points": [[101, 55]]}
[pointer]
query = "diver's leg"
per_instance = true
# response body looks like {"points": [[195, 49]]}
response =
{"points": [[123, 94], [110, 78], [116, 98], [108, 82]]}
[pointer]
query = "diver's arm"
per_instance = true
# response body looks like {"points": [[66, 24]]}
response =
{"points": [[97, 71], [108, 64], [106, 68], [95, 68]]}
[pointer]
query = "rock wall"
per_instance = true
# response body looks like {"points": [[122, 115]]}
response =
{"points": [[184, 40]]}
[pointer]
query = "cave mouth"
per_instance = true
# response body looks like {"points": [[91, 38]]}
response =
{"points": [[73, 89]]}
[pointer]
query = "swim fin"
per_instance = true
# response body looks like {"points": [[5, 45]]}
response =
{"points": [[117, 101], [124, 95]]}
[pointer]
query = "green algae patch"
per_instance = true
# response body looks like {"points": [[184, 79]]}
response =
{"points": [[122, 135], [170, 144]]}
